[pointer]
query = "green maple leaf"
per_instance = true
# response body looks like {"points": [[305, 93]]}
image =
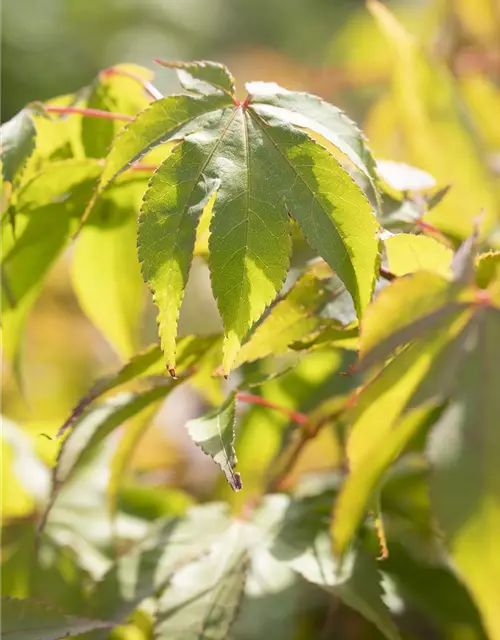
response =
{"points": [[263, 168]]}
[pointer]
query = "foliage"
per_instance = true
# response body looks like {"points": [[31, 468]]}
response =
{"points": [[350, 397]]}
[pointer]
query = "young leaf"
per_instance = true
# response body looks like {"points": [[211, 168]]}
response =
{"points": [[290, 319], [105, 272], [407, 253], [239, 152], [202, 77], [214, 434], [202, 600], [34, 620]]}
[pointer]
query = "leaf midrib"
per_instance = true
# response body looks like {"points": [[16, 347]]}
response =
{"points": [[261, 124]]}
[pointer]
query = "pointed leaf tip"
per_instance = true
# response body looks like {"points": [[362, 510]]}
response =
{"points": [[214, 433]]}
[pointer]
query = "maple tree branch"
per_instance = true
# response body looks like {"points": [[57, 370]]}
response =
{"points": [[148, 86], [91, 113], [295, 416]]}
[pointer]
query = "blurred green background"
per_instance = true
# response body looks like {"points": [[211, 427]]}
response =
{"points": [[440, 113]]}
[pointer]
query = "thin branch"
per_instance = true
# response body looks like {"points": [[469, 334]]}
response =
{"points": [[148, 87], [386, 274], [91, 113], [295, 416]]}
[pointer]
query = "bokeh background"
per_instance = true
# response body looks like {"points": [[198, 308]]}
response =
{"points": [[332, 48]]}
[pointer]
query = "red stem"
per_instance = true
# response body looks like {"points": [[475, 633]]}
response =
{"points": [[387, 274], [148, 87], [142, 166], [91, 113], [299, 418]]}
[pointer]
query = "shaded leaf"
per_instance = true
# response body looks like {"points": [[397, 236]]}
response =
{"points": [[203, 599], [298, 531], [464, 449], [147, 568], [214, 433], [309, 111], [33, 620]]}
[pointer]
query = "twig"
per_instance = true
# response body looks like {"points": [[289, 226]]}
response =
{"points": [[295, 416], [91, 113]]}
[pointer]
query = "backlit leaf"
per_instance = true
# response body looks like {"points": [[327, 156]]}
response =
{"points": [[47, 210], [105, 271], [435, 133], [290, 319], [407, 253], [116, 92]]}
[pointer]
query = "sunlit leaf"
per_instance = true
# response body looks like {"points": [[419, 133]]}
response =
{"points": [[34, 620], [436, 136], [147, 365], [214, 433], [117, 92], [290, 319], [403, 177], [237, 152], [105, 270], [487, 268], [47, 210], [407, 253]]}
